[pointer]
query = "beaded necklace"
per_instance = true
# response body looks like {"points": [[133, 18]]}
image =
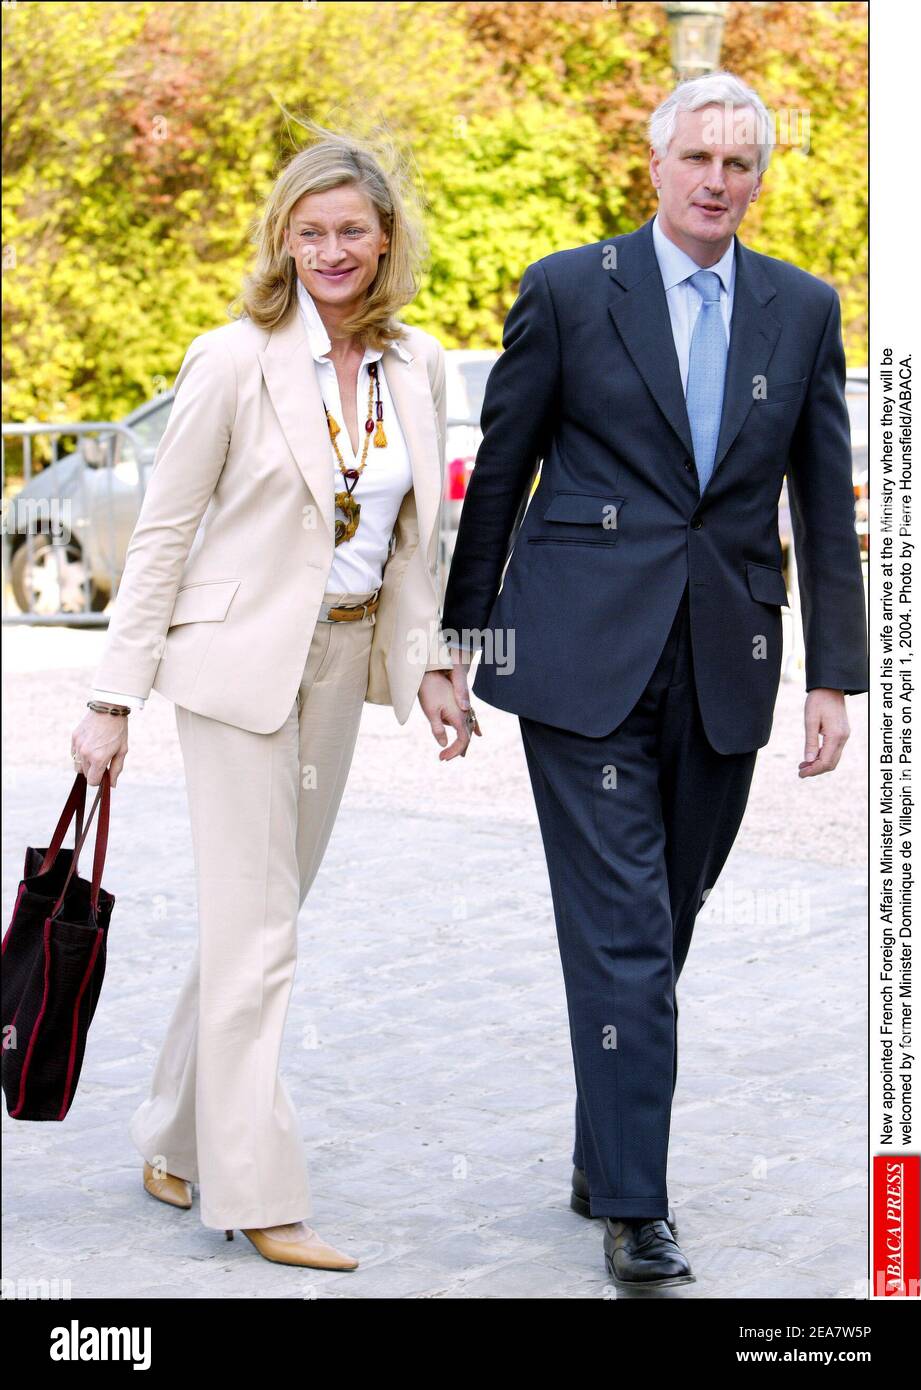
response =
{"points": [[346, 504]]}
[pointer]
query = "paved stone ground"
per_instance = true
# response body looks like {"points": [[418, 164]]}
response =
{"points": [[426, 1048]]}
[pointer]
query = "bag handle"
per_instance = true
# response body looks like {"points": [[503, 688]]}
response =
{"points": [[76, 800], [103, 797]]}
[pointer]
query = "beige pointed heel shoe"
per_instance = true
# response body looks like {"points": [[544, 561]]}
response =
{"points": [[311, 1252], [177, 1192]]}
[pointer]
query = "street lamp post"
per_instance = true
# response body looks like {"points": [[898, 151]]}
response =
{"points": [[697, 35]]}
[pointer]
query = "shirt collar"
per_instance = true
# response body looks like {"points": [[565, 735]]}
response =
{"points": [[318, 337], [676, 265]]}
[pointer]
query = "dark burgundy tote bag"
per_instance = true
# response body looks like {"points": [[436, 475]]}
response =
{"points": [[54, 958]]}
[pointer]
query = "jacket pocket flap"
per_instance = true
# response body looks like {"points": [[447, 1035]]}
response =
{"points": [[207, 601], [583, 507], [766, 583], [783, 391]]}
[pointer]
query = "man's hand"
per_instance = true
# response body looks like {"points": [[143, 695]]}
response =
{"points": [[440, 706], [462, 662], [825, 716]]}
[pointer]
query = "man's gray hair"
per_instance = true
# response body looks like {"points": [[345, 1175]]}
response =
{"points": [[714, 89]]}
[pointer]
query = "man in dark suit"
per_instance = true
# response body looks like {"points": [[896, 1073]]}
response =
{"points": [[667, 379]]}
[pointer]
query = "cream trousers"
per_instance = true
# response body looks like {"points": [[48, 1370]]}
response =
{"points": [[262, 807]]}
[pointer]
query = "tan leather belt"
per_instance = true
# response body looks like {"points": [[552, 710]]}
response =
{"points": [[330, 614]]}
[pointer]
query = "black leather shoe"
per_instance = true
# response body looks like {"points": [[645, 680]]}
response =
{"points": [[579, 1200], [644, 1255]]}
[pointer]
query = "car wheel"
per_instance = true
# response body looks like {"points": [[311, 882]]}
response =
{"points": [[53, 579]]}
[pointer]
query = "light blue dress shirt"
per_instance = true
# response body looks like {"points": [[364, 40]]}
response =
{"points": [[676, 266]]}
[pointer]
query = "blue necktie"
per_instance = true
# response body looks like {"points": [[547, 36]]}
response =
{"points": [[706, 373]]}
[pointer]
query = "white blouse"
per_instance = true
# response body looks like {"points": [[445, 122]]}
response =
{"points": [[358, 564]]}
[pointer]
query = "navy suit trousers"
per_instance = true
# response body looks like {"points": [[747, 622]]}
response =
{"points": [[636, 827]]}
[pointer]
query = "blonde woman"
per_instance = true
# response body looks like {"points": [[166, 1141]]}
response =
{"points": [[282, 571]]}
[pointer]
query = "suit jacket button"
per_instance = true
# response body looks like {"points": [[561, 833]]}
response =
{"points": [[696, 523], [688, 465]]}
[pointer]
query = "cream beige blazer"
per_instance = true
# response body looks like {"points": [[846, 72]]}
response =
{"points": [[227, 565]]}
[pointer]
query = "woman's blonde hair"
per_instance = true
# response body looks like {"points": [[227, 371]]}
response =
{"points": [[332, 161]]}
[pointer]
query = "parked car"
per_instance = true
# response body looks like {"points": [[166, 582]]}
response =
{"points": [[857, 395], [466, 372], [97, 489]]}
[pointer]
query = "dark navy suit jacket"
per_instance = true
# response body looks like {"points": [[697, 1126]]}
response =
{"points": [[589, 383]]}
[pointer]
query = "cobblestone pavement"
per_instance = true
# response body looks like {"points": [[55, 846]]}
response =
{"points": [[426, 1048]]}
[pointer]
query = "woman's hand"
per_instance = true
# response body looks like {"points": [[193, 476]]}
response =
{"points": [[100, 741], [440, 705]]}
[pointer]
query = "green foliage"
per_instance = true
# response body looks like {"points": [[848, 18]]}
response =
{"points": [[814, 210], [504, 189], [140, 139]]}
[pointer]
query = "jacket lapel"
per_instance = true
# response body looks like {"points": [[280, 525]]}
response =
{"points": [[752, 338], [643, 322], [291, 380]]}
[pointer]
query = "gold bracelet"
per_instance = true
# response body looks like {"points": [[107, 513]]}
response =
{"points": [[102, 708]]}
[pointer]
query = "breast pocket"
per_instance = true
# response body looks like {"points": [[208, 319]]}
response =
{"points": [[580, 518], [783, 391], [205, 601]]}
